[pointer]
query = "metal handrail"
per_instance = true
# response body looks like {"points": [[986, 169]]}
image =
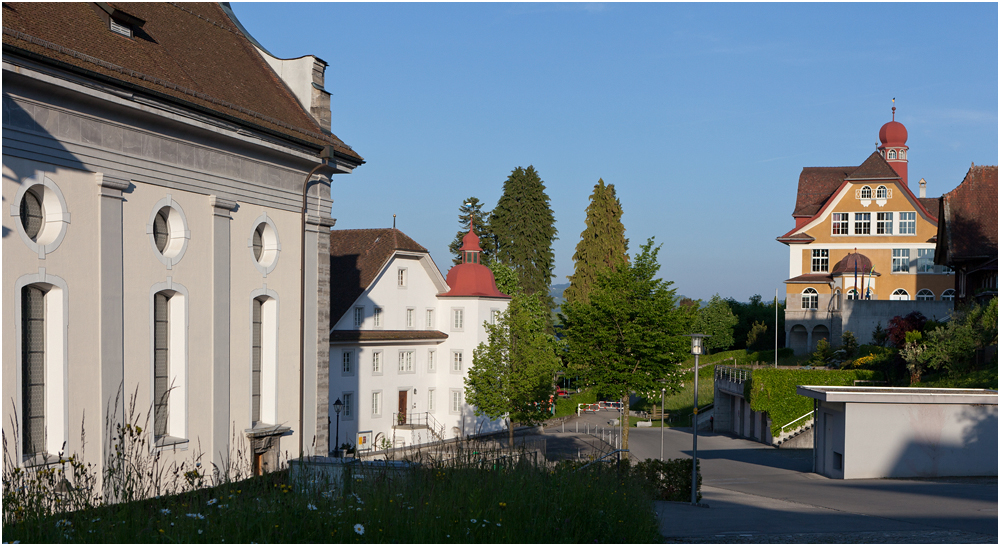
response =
{"points": [[601, 458], [733, 375], [782, 429]]}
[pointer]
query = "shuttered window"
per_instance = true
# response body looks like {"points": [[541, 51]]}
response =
{"points": [[33, 372], [256, 365], [161, 363]]}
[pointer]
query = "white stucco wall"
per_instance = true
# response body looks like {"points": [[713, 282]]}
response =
{"points": [[919, 440], [424, 283]]}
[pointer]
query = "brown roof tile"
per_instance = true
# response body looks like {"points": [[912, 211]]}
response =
{"points": [[353, 336], [810, 279], [968, 228], [800, 237], [930, 204], [190, 53], [356, 257], [874, 168], [816, 186]]}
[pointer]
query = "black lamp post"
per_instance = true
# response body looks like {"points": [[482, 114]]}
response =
{"points": [[337, 406], [663, 394], [697, 348]]}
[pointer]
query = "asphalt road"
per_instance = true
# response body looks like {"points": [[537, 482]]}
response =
{"points": [[756, 491]]}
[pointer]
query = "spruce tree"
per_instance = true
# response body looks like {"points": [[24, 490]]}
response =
{"points": [[602, 243], [473, 208], [524, 227]]}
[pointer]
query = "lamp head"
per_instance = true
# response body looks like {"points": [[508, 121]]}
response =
{"points": [[697, 343], [337, 406]]}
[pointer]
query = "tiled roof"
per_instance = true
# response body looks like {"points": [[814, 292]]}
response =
{"points": [[816, 186], [800, 237], [349, 336], [930, 204], [968, 229], [874, 168], [190, 53], [356, 257], [846, 265], [810, 279]]}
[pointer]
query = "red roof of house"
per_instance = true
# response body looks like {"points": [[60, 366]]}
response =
{"points": [[968, 229], [874, 168], [188, 53], [471, 278], [356, 258], [846, 265], [816, 186]]}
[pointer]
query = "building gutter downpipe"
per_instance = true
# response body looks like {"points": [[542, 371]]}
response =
{"points": [[325, 156]]}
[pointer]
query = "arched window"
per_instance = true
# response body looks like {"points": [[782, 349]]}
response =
{"points": [[892, 154], [852, 294], [900, 294], [810, 299], [925, 295], [948, 295], [881, 192], [902, 154], [866, 192]]}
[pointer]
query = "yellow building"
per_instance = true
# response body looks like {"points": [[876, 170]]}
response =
{"points": [[862, 246]]}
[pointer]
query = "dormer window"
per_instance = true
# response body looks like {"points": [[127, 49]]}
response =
{"points": [[866, 192], [120, 28], [881, 192]]}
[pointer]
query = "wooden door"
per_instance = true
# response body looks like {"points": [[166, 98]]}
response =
{"points": [[402, 407]]}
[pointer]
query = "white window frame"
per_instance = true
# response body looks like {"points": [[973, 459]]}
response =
{"points": [[376, 317], [810, 296], [430, 400], [457, 319], [892, 154], [359, 316], [406, 361], [456, 361], [455, 400], [853, 294], [401, 277], [820, 260], [177, 413], [907, 223], [347, 362], [925, 294], [863, 223], [377, 364], [495, 315], [56, 373], [948, 295], [882, 192], [883, 222], [429, 318], [269, 356], [840, 221], [347, 399], [411, 319], [897, 293], [900, 260], [431, 363], [925, 260], [866, 192], [377, 406]]}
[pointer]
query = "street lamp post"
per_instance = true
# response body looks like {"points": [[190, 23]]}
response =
{"points": [[697, 347], [663, 394], [337, 407]]}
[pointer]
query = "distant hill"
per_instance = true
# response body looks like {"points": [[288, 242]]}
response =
{"points": [[556, 291]]}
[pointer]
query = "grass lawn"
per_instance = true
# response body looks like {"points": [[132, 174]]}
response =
{"points": [[680, 404], [521, 504]]}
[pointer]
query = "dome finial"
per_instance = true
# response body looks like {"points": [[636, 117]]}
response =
{"points": [[893, 108]]}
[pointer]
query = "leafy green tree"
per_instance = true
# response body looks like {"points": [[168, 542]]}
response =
{"points": [[629, 334], [602, 243], [756, 336], [524, 227], [512, 373], [473, 208], [749, 313], [716, 320], [957, 346]]}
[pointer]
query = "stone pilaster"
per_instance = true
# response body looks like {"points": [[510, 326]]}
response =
{"points": [[221, 282]]}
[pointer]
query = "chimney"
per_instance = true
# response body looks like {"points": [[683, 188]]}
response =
{"points": [[923, 188]]}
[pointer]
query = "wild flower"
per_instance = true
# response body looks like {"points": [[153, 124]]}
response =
{"points": [[165, 511], [359, 529], [195, 516], [212, 501], [64, 523], [311, 506], [473, 520]]}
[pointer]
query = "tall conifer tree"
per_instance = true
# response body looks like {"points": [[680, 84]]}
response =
{"points": [[524, 227], [602, 244], [473, 208]]}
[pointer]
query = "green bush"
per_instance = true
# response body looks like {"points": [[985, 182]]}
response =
{"points": [[774, 390], [749, 358], [670, 479]]}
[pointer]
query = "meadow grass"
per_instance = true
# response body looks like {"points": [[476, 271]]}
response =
{"points": [[524, 503]]}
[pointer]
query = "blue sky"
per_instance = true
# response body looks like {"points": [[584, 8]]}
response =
{"points": [[702, 115]]}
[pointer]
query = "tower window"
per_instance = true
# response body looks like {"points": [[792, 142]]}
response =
{"points": [[892, 154]]}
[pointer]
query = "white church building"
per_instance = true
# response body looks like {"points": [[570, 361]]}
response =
{"points": [[402, 339]]}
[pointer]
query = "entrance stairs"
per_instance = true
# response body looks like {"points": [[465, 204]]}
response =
{"points": [[797, 437]]}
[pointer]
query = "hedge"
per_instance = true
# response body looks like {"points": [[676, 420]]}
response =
{"points": [[774, 390], [764, 356]]}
